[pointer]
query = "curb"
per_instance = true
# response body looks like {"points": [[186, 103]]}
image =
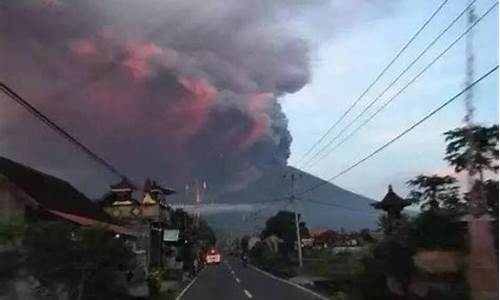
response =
{"points": [[319, 296]]}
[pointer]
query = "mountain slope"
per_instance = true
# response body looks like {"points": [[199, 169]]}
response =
{"points": [[346, 210]]}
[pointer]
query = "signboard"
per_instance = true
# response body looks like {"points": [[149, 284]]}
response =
{"points": [[171, 235]]}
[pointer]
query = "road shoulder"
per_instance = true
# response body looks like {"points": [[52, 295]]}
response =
{"points": [[319, 296], [186, 288]]}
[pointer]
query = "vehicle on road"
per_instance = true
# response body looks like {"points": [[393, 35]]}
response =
{"points": [[213, 257], [244, 260]]}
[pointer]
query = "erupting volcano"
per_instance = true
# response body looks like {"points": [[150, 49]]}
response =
{"points": [[168, 89]]}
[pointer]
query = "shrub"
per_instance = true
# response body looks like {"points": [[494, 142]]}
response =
{"points": [[438, 229]]}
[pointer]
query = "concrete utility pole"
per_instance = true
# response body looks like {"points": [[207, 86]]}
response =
{"points": [[482, 272], [293, 200]]}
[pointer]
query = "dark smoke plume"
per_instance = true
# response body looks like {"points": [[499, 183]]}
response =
{"points": [[173, 90]]}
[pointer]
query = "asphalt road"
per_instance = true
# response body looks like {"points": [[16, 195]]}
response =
{"points": [[231, 281]]}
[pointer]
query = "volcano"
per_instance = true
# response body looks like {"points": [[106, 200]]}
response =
{"points": [[245, 210]]}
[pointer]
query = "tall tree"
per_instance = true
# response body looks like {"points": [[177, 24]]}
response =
{"points": [[477, 146], [435, 191], [304, 231], [282, 225]]}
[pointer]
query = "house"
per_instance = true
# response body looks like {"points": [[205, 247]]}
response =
{"points": [[273, 242], [34, 195], [326, 238], [252, 241], [150, 216], [120, 203]]}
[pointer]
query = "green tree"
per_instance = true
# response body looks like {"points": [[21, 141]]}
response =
{"points": [[204, 235], [11, 258], [476, 150], [244, 242], [84, 262], [435, 191], [200, 232], [11, 231], [477, 146], [489, 191], [304, 231], [490, 188], [394, 255], [437, 229], [282, 225]]}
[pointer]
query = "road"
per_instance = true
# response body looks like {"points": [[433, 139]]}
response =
{"points": [[231, 281]]}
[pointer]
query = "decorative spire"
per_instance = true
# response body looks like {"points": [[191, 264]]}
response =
{"points": [[123, 186]]}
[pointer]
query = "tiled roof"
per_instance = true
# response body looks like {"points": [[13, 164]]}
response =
{"points": [[49, 192], [90, 222]]}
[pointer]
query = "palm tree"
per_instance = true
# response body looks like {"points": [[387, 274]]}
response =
{"points": [[474, 149], [434, 191]]}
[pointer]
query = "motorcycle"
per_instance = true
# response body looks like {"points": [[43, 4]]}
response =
{"points": [[244, 260]]}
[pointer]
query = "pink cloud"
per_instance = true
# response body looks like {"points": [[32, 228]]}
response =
{"points": [[139, 55], [82, 47], [258, 107], [191, 112]]}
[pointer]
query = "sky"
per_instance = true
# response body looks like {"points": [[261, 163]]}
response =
{"points": [[346, 63]]}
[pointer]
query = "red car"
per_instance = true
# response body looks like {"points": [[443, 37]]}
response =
{"points": [[213, 257]]}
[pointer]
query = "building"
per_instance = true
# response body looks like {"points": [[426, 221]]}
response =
{"points": [[32, 195], [150, 215]]}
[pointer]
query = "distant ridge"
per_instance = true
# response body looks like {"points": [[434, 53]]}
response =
{"points": [[348, 210]]}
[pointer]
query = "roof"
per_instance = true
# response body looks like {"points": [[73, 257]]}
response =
{"points": [[391, 199], [123, 185], [90, 222], [110, 197], [50, 192], [152, 186]]}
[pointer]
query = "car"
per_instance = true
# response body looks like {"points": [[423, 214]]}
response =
{"points": [[213, 257]]}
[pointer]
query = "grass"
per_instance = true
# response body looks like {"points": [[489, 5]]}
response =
{"points": [[340, 272]]}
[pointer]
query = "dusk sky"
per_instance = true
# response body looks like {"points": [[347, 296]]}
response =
{"points": [[343, 67], [204, 88]]}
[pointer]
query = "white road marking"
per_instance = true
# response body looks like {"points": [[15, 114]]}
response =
{"points": [[186, 288], [248, 294], [232, 272], [290, 283], [238, 280]]}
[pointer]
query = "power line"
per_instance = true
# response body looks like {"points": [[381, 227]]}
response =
{"points": [[374, 81], [62, 132], [408, 67], [407, 84], [406, 131]]}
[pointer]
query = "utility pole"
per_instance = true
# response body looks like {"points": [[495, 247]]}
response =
{"points": [[482, 266], [293, 200]]}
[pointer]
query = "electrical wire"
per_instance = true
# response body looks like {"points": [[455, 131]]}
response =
{"points": [[392, 83], [346, 138], [403, 133], [384, 70], [61, 131]]}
